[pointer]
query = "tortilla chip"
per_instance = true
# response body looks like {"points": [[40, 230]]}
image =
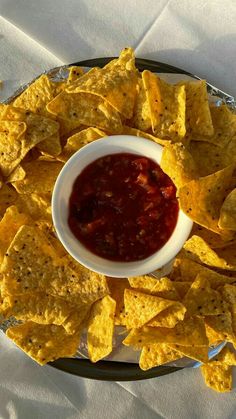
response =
{"points": [[141, 118], [165, 288], [199, 353], [31, 264], [198, 115], [11, 145], [36, 96], [182, 288], [101, 328], [117, 86], [142, 283], [208, 157], [37, 206], [178, 164], [80, 139], [44, 343], [202, 199], [17, 174], [86, 109], [9, 225], [74, 73], [184, 333], [190, 269], [169, 317], [202, 300], [140, 308], [126, 60], [224, 123], [226, 357], [8, 197], [167, 107], [117, 288], [197, 249], [214, 240], [220, 326], [217, 377], [51, 146], [40, 177], [228, 212], [157, 354], [77, 319], [137, 133]]}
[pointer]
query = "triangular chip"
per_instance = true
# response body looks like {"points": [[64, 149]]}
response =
{"points": [[141, 308], [226, 357], [51, 146], [197, 249], [202, 199], [8, 197], [178, 164], [11, 145], [217, 377], [157, 354], [74, 73], [87, 109], [220, 326], [101, 328], [143, 283], [117, 288], [169, 317], [202, 300], [141, 118], [199, 353], [167, 107], [138, 133], [165, 288], [215, 241], [208, 157], [184, 333], [44, 343], [228, 212]]}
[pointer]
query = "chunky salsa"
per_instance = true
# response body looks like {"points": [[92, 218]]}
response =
{"points": [[123, 207]]}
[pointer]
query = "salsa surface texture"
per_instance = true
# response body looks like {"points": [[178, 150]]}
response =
{"points": [[123, 207]]}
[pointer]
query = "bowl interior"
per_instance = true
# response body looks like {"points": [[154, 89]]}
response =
{"points": [[62, 191]]}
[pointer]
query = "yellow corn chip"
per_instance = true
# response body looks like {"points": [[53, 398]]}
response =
{"points": [[126, 60], [208, 157], [226, 357], [11, 145], [178, 164], [117, 288], [36, 96], [87, 109], [40, 177], [214, 240], [74, 323], [80, 139], [202, 300], [143, 283], [165, 288], [217, 377], [224, 123], [116, 85], [44, 343], [8, 197], [141, 118], [169, 317], [197, 249], [51, 146], [101, 328], [140, 308], [74, 73], [228, 212], [184, 333], [167, 107], [202, 199], [157, 354], [17, 174], [137, 133], [220, 326], [199, 353], [9, 225], [182, 288], [37, 206], [198, 115]]}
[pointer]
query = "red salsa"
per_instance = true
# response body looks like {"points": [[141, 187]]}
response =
{"points": [[123, 207]]}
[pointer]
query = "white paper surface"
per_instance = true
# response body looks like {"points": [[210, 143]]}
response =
{"points": [[198, 36]]}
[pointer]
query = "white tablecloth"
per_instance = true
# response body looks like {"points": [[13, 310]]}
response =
{"points": [[198, 36]]}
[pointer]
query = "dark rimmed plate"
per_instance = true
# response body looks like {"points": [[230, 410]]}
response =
{"points": [[110, 370]]}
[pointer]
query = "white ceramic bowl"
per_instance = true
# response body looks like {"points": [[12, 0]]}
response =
{"points": [[60, 199]]}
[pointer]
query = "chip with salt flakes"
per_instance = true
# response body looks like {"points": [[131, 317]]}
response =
{"points": [[167, 107], [12, 149], [140, 308], [157, 354], [217, 377], [228, 212], [178, 164], [78, 140], [198, 115], [202, 300], [220, 326], [197, 249], [169, 317], [184, 333], [87, 109], [44, 343], [101, 328], [141, 118], [201, 199]]}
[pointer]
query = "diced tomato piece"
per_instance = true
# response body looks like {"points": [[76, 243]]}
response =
{"points": [[168, 192]]}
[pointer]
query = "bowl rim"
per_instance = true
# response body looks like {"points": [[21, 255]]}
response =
{"points": [[90, 153]]}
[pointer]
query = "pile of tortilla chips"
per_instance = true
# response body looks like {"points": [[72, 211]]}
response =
{"points": [[53, 297]]}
